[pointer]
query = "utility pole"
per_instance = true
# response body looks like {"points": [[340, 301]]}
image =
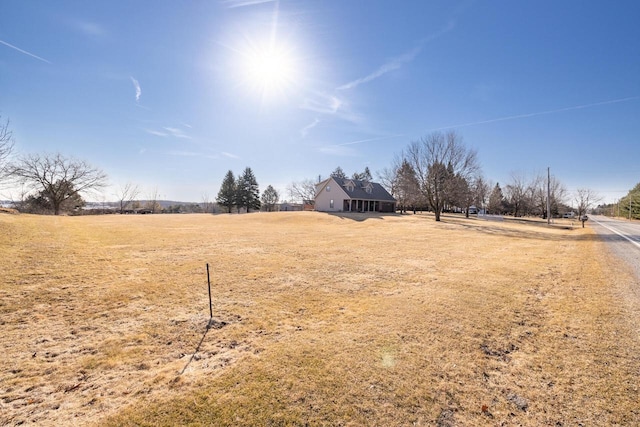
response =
{"points": [[548, 196]]}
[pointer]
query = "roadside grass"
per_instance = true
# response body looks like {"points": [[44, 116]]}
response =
{"points": [[318, 320]]}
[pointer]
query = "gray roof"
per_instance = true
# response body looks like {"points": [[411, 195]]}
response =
{"points": [[377, 191]]}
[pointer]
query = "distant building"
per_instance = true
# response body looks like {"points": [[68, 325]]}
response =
{"points": [[289, 207], [352, 195]]}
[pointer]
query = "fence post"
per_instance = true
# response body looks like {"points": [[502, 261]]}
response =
{"points": [[209, 286]]}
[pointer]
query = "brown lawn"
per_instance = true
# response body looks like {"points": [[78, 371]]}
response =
{"points": [[318, 320]]}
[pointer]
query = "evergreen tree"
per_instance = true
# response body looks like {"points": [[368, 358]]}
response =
{"points": [[406, 186], [227, 194], [338, 173], [496, 201], [43, 203], [629, 205], [363, 176], [247, 191]]}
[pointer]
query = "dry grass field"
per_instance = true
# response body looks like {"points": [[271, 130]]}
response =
{"points": [[318, 320]]}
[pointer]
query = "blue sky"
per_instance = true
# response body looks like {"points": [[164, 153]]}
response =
{"points": [[171, 95]]}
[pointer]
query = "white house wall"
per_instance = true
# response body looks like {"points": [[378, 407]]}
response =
{"points": [[335, 193]]}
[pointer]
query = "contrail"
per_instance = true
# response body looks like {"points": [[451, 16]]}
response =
{"points": [[398, 62], [539, 113], [231, 4], [24, 51], [366, 140]]}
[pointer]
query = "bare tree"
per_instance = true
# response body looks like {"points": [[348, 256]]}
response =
{"points": [[126, 195], [152, 201], [6, 147], [585, 199], [302, 191], [387, 177], [437, 159], [207, 203], [516, 194], [538, 190], [58, 178]]}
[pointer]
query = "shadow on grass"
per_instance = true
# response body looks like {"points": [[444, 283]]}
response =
{"points": [[361, 216], [212, 324], [486, 226]]}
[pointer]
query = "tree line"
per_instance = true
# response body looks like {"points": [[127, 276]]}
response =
{"points": [[54, 183], [243, 193], [437, 172], [50, 182], [627, 207]]}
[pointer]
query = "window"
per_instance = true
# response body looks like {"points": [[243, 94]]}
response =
{"points": [[328, 188], [331, 204]]}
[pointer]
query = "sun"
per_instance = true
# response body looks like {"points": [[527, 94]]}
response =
{"points": [[269, 71]]}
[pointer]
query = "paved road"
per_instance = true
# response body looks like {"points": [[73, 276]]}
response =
{"points": [[623, 238], [627, 232]]}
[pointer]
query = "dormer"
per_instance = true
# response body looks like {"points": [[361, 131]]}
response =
{"points": [[367, 186], [349, 185]]}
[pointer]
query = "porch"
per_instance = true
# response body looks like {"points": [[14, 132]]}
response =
{"points": [[358, 205]]}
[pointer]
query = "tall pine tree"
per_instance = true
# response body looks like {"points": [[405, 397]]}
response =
{"points": [[338, 173], [247, 191], [227, 194]]}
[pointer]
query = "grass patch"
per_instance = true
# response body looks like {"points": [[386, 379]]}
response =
{"points": [[319, 320]]}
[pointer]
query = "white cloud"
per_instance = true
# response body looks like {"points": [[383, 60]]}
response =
{"points": [[337, 150], [90, 28], [177, 133], [169, 131], [330, 105], [136, 85], [156, 133], [305, 130], [229, 155], [184, 153], [322, 103]]}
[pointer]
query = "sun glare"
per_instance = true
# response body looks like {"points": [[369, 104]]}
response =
{"points": [[269, 71]]}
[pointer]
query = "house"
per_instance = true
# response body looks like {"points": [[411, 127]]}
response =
{"points": [[352, 195]]}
